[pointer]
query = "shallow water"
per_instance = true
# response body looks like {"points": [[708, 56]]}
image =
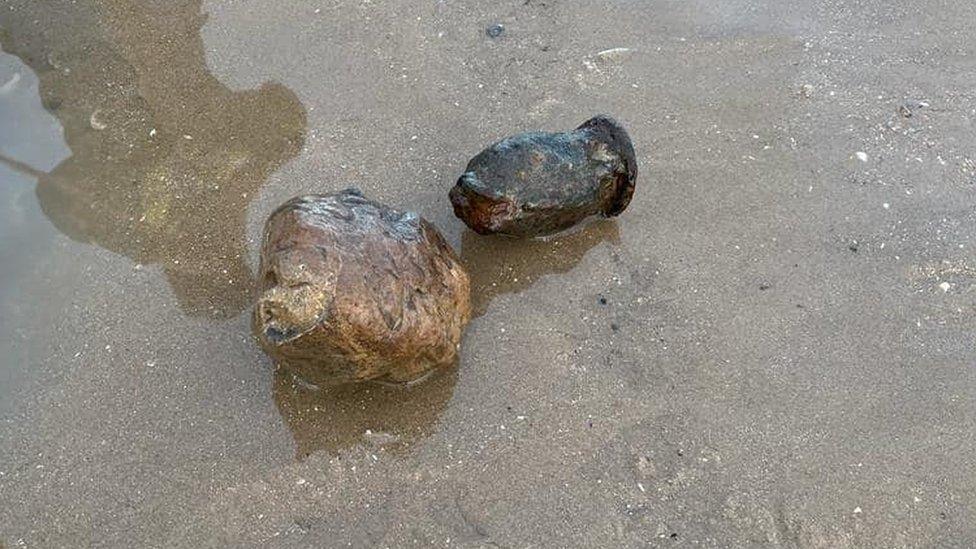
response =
{"points": [[773, 344]]}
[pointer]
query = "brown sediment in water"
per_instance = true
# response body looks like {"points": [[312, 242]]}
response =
{"points": [[340, 417], [166, 159], [498, 265]]}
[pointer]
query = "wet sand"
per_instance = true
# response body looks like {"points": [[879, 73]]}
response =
{"points": [[772, 346]]}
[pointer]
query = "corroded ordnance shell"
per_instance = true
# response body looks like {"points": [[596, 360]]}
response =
{"points": [[354, 290], [539, 183]]}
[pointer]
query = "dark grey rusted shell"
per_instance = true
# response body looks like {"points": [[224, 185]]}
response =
{"points": [[537, 183], [353, 290]]}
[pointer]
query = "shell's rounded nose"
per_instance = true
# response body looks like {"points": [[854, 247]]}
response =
{"points": [[482, 211], [273, 321], [282, 315]]}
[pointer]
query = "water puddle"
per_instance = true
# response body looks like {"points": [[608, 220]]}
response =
{"points": [[165, 158], [122, 138], [31, 143], [500, 265], [337, 418]]}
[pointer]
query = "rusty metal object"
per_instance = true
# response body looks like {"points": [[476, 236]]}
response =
{"points": [[537, 183], [353, 290]]}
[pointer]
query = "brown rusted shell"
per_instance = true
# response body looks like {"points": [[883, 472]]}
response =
{"points": [[535, 184], [352, 290]]}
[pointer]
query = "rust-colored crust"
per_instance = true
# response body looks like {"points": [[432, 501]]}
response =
{"points": [[354, 290]]}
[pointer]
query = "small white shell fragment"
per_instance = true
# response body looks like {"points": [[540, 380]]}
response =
{"points": [[613, 54], [10, 84], [95, 123]]}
